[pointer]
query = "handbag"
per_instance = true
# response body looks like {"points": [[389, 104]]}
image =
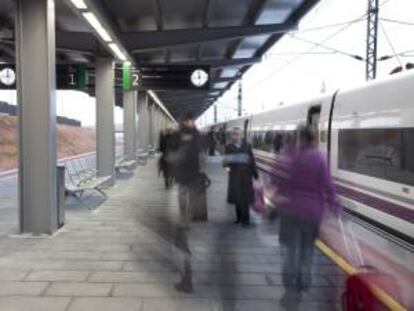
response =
{"points": [[259, 205]]}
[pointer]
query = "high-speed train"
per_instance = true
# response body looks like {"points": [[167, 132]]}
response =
{"points": [[368, 135]]}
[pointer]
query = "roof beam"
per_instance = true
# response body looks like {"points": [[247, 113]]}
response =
{"points": [[107, 21], [220, 80], [213, 63], [175, 100], [139, 42], [188, 102], [206, 14], [156, 7]]}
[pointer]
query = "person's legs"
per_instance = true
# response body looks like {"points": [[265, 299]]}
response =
{"points": [[186, 283], [184, 202], [245, 213], [307, 236], [290, 244], [238, 212]]}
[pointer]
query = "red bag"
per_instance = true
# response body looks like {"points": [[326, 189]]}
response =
{"points": [[259, 202], [358, 296]]}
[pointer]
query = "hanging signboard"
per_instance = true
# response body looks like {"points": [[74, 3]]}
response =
{"points": [[71, 77], [166, 77], [68, 77]]}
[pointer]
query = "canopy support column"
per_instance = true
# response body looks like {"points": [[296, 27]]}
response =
{"points": [[105, 129], [35, 32]]}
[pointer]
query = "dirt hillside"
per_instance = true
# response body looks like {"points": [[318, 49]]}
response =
{"points": [[71, 141]]}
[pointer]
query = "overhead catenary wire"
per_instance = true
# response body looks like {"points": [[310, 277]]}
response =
{"points": [[277, 70], [334, 50], [390, 44], [324, 27], [390, 20], [345, 25]]}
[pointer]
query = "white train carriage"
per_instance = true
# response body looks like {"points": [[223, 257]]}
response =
{"points": [[368, 134]]}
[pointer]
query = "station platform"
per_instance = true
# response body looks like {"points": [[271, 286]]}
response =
{"points": [[127, 254]]}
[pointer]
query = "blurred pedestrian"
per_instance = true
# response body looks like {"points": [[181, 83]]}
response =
{"points": [[303, 194], [211, 142], [184, 157], [240, 161], [165, 147]]}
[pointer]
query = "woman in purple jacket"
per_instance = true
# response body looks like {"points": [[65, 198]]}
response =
{"points": [[306, 190]]}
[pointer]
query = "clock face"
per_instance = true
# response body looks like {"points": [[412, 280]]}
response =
{"points": [[199, 77], [7, 76]]}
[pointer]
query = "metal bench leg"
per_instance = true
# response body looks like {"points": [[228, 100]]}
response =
{"points": [[81, 202], [101, 192]]}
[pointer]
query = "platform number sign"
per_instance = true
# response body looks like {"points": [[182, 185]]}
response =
{"points": [[136, 78], [165, 77], [131, 78], [69, 77]]}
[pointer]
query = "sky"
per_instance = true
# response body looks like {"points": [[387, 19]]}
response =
{"points": [[287, 74]]}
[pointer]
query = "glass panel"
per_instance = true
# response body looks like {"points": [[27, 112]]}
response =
{"points": [[382, 153]]}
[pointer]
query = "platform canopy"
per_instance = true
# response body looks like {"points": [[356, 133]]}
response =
{"points": [[227, 35]]}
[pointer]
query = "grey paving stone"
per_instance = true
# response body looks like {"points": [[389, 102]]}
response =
{"points": [[19, 303], [144, 291], [149, 266], [127, 253], [22, 288], [246, 305], [79, 289], [76, 255], [134, 277], [176, 305], [234, 279], [105, 304], [57, 275], [12, 275]]}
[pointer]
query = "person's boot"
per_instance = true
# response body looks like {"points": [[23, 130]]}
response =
{"points": [[186, 284]]}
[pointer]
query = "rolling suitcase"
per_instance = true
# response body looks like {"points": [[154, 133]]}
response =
{"points": [[198, 198]]}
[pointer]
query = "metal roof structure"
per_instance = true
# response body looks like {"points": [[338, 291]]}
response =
{"points": [[228, 35]]}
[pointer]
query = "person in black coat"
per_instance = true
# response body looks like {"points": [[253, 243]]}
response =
{"points": [[163, 166], [240, 161]]}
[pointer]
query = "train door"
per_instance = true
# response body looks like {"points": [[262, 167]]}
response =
{"points": [[314, 114]]}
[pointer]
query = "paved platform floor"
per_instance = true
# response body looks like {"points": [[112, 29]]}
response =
{"points": [[127, 254]]}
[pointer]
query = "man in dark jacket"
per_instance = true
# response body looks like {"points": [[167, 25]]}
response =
{"points": [[240, 161], [185, 159]]}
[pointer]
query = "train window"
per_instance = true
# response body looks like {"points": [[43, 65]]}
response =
{"points": [[271, 141], [381, 153]]}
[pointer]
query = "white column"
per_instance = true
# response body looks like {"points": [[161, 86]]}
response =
{"points": [[142, 121], [130, 131], [105, 129], [35, 32], [150, 122]]}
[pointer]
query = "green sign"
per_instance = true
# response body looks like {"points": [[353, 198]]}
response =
{"points": [[126, 77], [71, 77]]}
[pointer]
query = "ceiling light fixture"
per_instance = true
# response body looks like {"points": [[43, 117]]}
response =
{"points": [[117, 51], [79, 4], [94, 22]]}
